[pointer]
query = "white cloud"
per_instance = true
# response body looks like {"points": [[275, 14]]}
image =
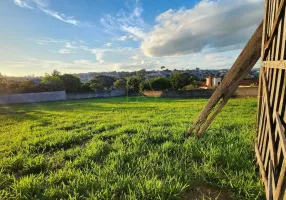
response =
{"points": [[22, 4], [29, 3], [66, 51], [131, 23], [61, 17], [122, 38], [211, 24], [136, 32], [108, 44], [42, 5]]}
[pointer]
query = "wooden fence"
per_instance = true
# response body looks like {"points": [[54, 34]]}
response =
{"points": [[270, 145]]}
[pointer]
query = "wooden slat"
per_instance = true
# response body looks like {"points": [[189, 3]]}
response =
{"points": [[283, 38], [275, 64], [260, 164], [270, 186], [278, 92], [281, 179], [274, 27], [269, 126], [281, 132], [283, 92], [264, 35]]}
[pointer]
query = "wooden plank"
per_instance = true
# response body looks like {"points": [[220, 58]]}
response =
{"points": [[283, 92], [278, 92], [264, 33], [260, 132], [242, 66], [273, 87], [260, 164], [281, 132], [275, 64], [267, 157], [269, 125], [274, 27], [278, 42], [281, 179], [283, 38], [270, 186]]}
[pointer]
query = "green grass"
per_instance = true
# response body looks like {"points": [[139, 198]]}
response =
{"points": [[118, 149]]}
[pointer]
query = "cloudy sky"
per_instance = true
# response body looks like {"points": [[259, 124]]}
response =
{"points": [[37, 36]]}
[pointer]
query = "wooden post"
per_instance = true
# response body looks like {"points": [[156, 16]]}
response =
{"points": [[240, 69]]}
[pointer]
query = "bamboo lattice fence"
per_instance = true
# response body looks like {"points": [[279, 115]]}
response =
{"points": [[270, 145]]}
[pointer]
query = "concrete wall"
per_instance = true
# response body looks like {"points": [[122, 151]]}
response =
{"points": [[55, 96], [105, 94], [181, 93], [240, 92], [246, 92], [32, 97]]}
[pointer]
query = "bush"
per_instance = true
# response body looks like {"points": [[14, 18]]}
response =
{"points": [[102, 82], [52, 83], [85, 87], [180, 80], [120, 84], [132, 84], [28, 87], [71, 83], [96, 87], [3, 85], [160, 84]]}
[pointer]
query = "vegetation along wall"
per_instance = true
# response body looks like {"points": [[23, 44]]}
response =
{"points": [[240, 92]]}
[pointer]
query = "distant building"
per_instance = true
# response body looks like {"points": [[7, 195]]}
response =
{"points": [[212, 81], [248, 82]]}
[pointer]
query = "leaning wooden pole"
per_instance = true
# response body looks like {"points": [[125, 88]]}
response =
{"points": [[242, 66]]}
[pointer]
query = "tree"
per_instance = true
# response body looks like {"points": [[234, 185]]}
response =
{"points": [[180, 80], [52, 83], [13, 86], [120, 84], [71, 83], [96, 87], [132, 84], [141, 75], [194, 79], [160, 83], [163, 67], [105, 81], [56, 73], [3, 84], [85, 87], [28, 87]]}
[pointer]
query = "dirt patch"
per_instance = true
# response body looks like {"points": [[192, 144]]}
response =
{"points": [[208, 193]]}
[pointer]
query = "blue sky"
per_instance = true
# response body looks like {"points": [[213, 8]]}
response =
{"points": [[75, 36]]}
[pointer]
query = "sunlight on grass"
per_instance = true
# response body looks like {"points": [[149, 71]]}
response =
{"points": [[119, 149]]}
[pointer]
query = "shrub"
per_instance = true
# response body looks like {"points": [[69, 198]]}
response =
{"points": [[160, 84], [120, 84], [71, 83], [52, 83], [180, 80]]}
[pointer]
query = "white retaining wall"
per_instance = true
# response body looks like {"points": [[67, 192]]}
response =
{"points": [[32, 97], [55, 96]]}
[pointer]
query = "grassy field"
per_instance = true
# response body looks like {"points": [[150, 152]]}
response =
{"points": [[118, 149]]}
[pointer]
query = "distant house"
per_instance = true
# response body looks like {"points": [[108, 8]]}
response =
{"points": [[212, 81], [202, 84], [249, 82]]}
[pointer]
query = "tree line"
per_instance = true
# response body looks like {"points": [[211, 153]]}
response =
{"points": [[72, 83]]}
